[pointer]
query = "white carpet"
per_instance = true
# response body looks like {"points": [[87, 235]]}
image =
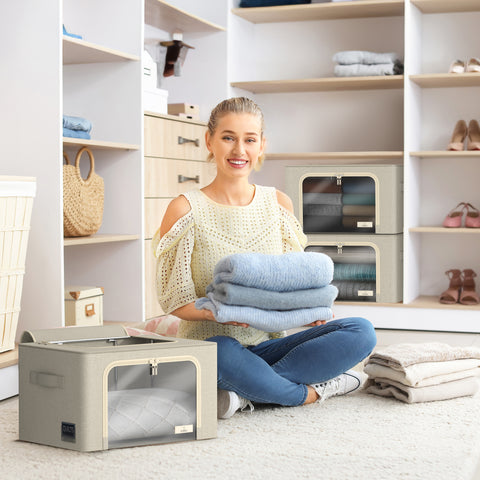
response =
{"points": [[358, 436]]}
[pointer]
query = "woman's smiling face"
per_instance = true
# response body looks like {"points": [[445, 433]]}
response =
{"points": [[236, 143]]}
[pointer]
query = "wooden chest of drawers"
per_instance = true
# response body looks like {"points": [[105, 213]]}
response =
{"points": [[175, 162]]}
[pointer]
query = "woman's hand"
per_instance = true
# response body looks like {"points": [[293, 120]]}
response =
{"points": [[209, 316], [316, 323]]}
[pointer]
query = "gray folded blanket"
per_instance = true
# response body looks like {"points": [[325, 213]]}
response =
{"points": [[361, 70], [350, 57]]}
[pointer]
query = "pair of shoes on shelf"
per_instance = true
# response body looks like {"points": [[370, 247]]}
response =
{"points": [[461, 132], [455, 216], [472, 65], [461, 288]]}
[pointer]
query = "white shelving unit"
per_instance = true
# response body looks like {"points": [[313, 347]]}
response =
{"points": [[316, 118], [49, 75]]}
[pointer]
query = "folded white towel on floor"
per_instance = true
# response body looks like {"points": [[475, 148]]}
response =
{"points": [[444, 391], [427, 373], [401, 355]]}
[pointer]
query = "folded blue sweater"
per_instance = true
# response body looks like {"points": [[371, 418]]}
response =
{"points": [[233, 294], [265, 320], [280, 273], [77, 123]]}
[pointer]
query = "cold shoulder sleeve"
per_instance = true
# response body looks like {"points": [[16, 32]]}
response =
{"points": [[293, 238], [173, 251]]}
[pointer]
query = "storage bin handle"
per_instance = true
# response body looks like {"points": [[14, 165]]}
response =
{"points": [[48, 380], [182, 140]]}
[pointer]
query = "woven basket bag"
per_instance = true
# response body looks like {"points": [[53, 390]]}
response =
{"points": [[82, 198]]}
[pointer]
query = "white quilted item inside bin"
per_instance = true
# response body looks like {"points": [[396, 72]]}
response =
{"points": [[148, 412]]}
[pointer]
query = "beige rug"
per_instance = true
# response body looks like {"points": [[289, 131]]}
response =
{"points": [[358, 436]]}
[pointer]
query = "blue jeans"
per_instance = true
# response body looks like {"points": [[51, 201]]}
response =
{"points": [[279, 370]]}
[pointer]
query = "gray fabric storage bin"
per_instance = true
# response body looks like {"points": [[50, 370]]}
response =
{"points": [[96, 388], [374, 262], [358, 199]]}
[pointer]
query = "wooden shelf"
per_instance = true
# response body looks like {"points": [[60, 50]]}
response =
{"points": [[7, 359], [76, 51], [322, 11], [373, 155], [171, 19], [431, 301], [95, 239], [446, 80], [99, 144], [322, 84], [446, 154], [446, 6], [175, 118], [445, 230]]}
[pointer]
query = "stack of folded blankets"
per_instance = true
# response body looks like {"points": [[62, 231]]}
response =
{"points": [[271, 292], [76, 127], [348, 207], [423, 372], [357, 63]]}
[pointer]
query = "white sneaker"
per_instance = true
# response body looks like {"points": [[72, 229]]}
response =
{"points": [[345, 383], [229, 402]]}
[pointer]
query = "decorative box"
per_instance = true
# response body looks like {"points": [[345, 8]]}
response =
{"points": [[185, 110], [83, 305], [97, 388], [155, 100]]}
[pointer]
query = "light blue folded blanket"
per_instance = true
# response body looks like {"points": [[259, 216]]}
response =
{"points": [[232, 294], [77, 123], [265, 320], [67, 132], [280, 273]]}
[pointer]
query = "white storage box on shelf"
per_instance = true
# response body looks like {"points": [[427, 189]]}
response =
{"points": [[83, 306], [16, 201], [97, 388], [154, 99]]}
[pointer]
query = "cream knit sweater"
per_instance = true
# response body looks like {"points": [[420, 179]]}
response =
{"points": [[189, 251]]}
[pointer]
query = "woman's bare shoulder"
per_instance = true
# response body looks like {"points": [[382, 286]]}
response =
{"points": [[285, 201], [176, 209]]}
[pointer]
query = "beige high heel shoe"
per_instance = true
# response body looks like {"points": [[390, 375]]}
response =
{"points": [[473, 142], [458, 138], [473, 65]]}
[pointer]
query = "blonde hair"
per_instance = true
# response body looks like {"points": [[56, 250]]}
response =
{"points": [[236, 105]]}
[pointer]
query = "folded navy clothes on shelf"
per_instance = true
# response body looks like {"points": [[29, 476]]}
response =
{"points": [[68, 132], [77, 123], [270, 3], [271, 292]]}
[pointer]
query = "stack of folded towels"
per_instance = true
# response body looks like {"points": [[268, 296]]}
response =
{"points": [[271, 292], [357, 63], [76, 127], [423, 372]]}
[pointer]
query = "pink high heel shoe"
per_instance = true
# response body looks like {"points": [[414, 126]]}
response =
{"points": [[458, 137], [454, 217], [473, 140], [472, 218]]}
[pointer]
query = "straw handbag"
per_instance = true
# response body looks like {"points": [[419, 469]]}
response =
{"points": [[82, 198]]}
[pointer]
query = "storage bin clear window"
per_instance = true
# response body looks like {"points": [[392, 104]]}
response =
{"points": [[338, 204], [354, 271], [151, 403]]}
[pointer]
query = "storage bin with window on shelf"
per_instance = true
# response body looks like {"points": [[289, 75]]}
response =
{"points": [[353, 213]]}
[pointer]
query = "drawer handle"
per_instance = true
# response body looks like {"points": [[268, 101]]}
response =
{"points": [[183, 179], [182, 140]]}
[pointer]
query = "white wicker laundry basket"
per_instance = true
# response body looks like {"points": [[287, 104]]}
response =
{"points": [[16, 200]]}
